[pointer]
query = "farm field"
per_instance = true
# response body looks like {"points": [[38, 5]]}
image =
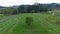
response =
{"points": [[42, 24]]}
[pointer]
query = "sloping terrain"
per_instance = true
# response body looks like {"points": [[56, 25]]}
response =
{"points": [[42, 24]]}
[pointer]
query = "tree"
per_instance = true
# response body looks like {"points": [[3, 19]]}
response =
{"points": [[21, 9], [9, 11], [36, 8]]}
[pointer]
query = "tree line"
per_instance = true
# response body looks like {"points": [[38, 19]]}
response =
{"points": [[35, 8]]}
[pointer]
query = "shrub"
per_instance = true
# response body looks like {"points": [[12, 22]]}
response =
{"points": [[8, 11], [29, 20]]}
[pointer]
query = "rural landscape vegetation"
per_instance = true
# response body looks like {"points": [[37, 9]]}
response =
{"points": [[30, 19]]}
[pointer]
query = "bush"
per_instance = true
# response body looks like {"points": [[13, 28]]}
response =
{"points": [[29, 20], [8, 11]]}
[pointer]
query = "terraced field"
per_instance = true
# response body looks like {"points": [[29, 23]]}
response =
{"points": [[42, 24]]}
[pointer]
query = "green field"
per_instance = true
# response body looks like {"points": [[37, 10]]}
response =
{"points": [[42, 24]]}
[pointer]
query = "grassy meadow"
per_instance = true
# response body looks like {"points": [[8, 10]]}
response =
{"points": [[42, 24]]}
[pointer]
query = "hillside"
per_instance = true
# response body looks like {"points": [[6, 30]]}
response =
{"points": [[42, 24]]}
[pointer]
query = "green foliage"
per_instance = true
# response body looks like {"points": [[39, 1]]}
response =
{"points": [[28, 21], [36, 8], [8, 11]]}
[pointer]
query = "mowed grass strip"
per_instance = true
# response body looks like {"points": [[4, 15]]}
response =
{"points": [[8, 24]]}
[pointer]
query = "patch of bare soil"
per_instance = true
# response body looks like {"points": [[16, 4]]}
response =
{"points": [[58, 22]]}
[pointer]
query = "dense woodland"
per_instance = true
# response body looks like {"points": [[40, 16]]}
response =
{"points": [[35, 8]]}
